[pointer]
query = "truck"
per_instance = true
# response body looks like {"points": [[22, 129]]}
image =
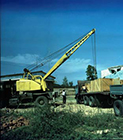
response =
{"points": [[35, 87], [113, 97]]}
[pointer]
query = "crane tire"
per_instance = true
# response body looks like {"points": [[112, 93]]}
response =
{"points": [[118, 108], [91, 101], [41, 101], [86, 100]]}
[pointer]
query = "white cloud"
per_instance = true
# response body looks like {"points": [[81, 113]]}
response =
{"points": [[74, 65], [101, 67], [74, 69], [21, 59], [78, 64], [70, 66]]}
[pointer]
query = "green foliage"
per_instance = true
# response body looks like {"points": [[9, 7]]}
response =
{"points": [[91, 73], [45, 124], [59, 86], [65, 82], [71, 84]]}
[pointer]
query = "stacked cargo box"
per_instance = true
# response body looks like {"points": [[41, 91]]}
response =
{"points": [[102, 84]]}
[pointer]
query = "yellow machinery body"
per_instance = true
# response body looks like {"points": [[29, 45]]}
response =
{"points": [[31, 82], [27, 85]]}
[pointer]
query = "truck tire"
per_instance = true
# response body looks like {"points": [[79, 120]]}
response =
{"points": [[91, 101], [41, 101], [86, 100], [78, 100], [118, 108]]}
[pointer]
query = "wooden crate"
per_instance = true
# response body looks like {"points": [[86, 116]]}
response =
{"points": [[116, 81], [121, 82], [93, 86], [105, 84], [100, 85], [88, 86]]}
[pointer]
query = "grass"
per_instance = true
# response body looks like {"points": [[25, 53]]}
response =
{"points": [[45, 124]]}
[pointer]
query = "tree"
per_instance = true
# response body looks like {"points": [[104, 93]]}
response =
{"points": [[65, 82], [71, 84], [91, 73]]}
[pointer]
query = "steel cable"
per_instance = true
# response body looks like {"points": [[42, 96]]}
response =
{"points": [[54, 55]]}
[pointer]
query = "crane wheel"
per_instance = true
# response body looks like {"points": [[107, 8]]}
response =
{"points": [[86, 100], [118, 108], [41, 101]]}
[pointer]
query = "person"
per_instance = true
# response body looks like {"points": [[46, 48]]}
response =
{"points": [[77, 94], [84, 89], [64, 96], [53, 93]]}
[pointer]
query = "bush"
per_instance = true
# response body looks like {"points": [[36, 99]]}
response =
{"points": [[46, 124]]}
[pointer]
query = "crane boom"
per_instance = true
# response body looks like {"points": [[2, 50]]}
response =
{"points": [[36, 83], [68, 54]]}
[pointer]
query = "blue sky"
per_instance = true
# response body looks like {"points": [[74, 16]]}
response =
{"points": [[33, 29]]}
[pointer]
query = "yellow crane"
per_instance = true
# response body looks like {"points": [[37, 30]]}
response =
{"points": [[37, 84]]}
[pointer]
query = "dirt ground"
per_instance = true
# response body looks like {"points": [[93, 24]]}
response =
{"points": [[73, 107], [9, 121], [84, 109]]}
